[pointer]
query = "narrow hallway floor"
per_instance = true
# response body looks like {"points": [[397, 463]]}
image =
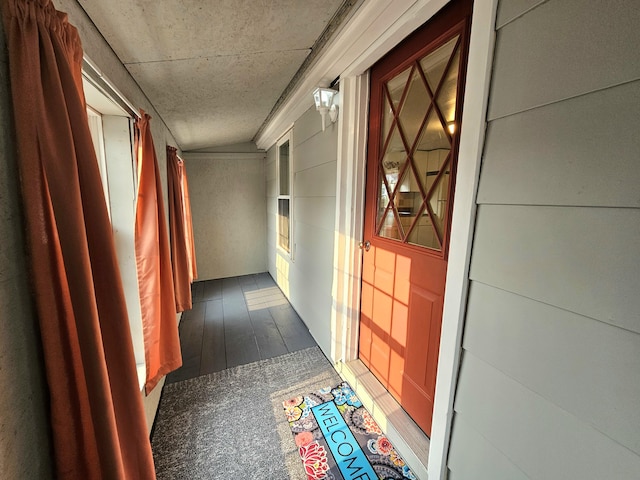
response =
{"points": [[235, 321]]}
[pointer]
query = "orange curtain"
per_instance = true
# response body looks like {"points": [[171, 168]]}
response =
{"points": [[153, 259], [98, 422], [191, 245], [182, 246]]}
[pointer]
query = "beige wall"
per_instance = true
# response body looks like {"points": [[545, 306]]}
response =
{"points": [[549, 384], [229, 213], [307, 279]]}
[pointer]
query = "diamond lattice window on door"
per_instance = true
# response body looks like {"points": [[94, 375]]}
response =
{"points": [[419, 106]]}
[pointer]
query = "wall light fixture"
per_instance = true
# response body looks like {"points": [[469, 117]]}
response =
{"points": [[325, 98]]}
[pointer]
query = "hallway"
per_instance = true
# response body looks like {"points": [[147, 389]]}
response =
{"points": [[240, 320], [236, 321]]}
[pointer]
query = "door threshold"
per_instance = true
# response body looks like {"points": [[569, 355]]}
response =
{"points": [[408, 439]]}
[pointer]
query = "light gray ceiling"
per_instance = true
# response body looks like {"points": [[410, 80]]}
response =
{"points": [[213, 69]]}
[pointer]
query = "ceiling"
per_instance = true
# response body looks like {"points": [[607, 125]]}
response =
{"points": [[215, 69]]}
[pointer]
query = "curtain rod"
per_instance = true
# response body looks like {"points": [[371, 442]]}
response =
{"points": [[93, 74]]}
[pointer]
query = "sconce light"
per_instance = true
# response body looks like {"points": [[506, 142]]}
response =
{"points": [[324, 104]]}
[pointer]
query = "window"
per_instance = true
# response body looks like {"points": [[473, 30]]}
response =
{"points": [[110, 126], [284, 192], [97, 135]]}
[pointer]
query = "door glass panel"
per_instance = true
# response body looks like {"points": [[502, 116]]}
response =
{"points": [[396, 86], [423, 234], [434, 64], [447, 94], [393, 163], [395, 155], [414, 108], [433, 135], [389, 227], [415, 143], [387, 120], [408, 199], [383, 200], [438, 199]]}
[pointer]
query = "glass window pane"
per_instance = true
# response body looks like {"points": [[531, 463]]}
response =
{"points": [[434, 64], [283, 162], [433, 169], [438, 199], [397, 85], [423, 234], [283, 223], [414, 108], [384, 196], [390, 228], [449, 90]]}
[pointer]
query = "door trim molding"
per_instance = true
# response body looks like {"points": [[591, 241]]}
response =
{"points": [[352, 144], [472, 139], [349, 223]]}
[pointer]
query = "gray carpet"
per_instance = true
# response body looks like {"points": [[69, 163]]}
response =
{"points": [[231, 424]]}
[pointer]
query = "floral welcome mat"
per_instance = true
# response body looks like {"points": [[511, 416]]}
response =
{"points": [[338, 439]]}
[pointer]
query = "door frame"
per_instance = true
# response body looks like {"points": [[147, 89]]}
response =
{"points": [[349, 224]]}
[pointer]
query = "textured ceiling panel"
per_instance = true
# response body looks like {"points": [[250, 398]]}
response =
{"points": [[225, 98], [213, 69]]}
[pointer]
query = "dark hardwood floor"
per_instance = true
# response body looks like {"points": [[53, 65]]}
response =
{"points": [[235, 321]]}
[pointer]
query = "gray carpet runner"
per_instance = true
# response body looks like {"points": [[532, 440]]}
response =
{"points": [[231, 425]]}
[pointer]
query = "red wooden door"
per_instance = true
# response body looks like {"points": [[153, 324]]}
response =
{"points": [[414, 124]]}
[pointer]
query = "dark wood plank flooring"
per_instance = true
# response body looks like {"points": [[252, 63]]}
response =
{"points": [[235, 321]]}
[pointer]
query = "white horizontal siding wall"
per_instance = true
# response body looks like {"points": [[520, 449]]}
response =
{"points": [[549, 386], [272, 209], [307, 280]]}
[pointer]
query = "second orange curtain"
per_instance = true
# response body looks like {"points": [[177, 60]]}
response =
{"points": [[153, 259], [182, 246]]}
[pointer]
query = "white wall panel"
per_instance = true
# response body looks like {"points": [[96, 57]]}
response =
{"points": [[272, 210], [319, 181], [314, 151], [472, 457], [588, 368], [270, 164], [308, 125], [585, 260], [512, 9], [548, 385], [567, 153], [564, 48], [544, 441], [314, 240], [307, 280], [310, 292], [311, 261], [316, 211], [271, 188]]}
